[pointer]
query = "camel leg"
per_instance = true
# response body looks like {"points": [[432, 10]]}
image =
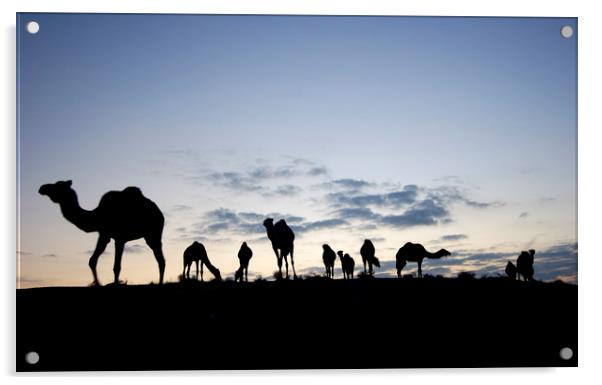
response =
{"points": [[419, 269], [157, 248], [293, 264], [364, 261], [278, 259], [246, 273], [402, 264], [119, 246], [202, 265], [101, 245], [286, 264]]}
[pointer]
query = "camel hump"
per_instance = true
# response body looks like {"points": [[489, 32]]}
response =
{"points": [[282, 228], [133, 190]]}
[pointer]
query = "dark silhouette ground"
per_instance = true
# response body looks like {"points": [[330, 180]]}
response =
{"points": [[429, 322]]}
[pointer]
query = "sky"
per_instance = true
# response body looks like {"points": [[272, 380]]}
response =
{"points": [[457, 133]]}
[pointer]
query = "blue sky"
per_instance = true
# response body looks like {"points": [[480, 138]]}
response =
{"points": [[453, 132]]}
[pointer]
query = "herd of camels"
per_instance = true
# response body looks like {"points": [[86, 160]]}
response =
{"points": [[128, 215]]}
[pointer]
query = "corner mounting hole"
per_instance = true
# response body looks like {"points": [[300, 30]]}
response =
{"points": [[566, 31], [32, 358], [32, 27], [566, 353]]}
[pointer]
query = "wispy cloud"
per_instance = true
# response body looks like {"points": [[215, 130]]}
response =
{"points": [[135, 248], [453, 237]]}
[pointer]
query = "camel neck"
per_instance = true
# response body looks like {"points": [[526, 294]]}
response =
{"points": [[81, 218]]}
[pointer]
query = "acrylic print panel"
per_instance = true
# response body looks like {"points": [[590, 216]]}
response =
{"points": [[278, 192]]}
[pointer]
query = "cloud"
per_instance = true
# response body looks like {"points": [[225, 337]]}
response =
{"points": [[136, 248], [235, 181], [223, 220], [285, 190], [318, 225], [260, 177], [51, 255], [453, 237], [523, 215], [427, 212], [317, 171], [393, 199], [179, 208], [353, 184], [452, 194], [356, 213]]}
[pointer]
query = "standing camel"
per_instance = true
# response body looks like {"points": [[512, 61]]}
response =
{"points": [[244, 256], [329, 257], [415, 252], [347, 264], [282, 238], [196, 253], [367, 252], [524, 265], [120, 215]]}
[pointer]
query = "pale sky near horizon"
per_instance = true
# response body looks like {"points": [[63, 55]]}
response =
{"points": [[452, 132]]}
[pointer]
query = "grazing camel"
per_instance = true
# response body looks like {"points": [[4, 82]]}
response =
{"points": [[367, 252], [415, 252], [282, 238], [511, 270], [347, 265], [524, 265], [244, 256], [329, 257], [120, 215], [196, 253]]}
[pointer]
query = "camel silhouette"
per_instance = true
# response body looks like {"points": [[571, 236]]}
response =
{"points": [[511, 270], [244, 256], [347, 265], [367, 252], [415, 252], [120, 215], [329, 257], [196, 253], [282, 238], [524, 265]]}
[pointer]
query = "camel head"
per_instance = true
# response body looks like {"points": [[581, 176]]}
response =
{"points": [[58, 192], [443, 253], [268, 223], [340, 253], [238, 275], [218, 275]]}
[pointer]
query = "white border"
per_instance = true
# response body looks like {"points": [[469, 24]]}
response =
{"points": [[590, 266]]}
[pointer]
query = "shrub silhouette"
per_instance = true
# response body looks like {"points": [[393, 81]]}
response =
{"points": [[469, 275]]}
